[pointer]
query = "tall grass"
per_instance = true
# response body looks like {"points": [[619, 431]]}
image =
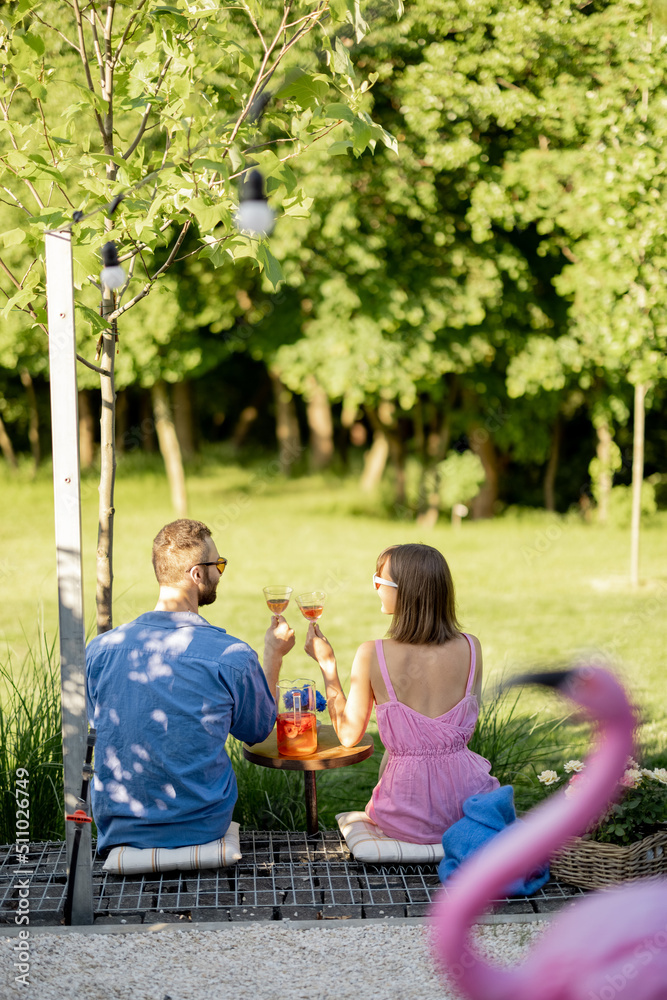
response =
{"points": [[31, 738], [518, 744]]}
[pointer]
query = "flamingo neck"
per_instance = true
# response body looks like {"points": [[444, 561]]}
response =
{"points": [[520, 849]]}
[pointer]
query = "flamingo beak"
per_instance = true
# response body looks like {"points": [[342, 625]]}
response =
{"points": [[548, 678]]}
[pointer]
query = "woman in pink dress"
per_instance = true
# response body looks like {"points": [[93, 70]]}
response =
{"points": [[425, 679]]}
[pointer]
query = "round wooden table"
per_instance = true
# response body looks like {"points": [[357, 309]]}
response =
{"points": [[329, 754]]}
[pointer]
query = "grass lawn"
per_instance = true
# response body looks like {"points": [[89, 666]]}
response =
{"points": [[536, 588]]}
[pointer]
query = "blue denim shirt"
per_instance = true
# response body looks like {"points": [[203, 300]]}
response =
{"points": [[164, 692]]}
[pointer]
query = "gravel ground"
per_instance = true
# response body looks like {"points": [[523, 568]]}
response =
{"points": [[254, 961]]}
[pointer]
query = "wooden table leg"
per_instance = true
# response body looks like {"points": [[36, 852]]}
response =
{"points": [[312, 823]]}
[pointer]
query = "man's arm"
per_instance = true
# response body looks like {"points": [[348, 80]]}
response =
{"points": [[278, 641]]}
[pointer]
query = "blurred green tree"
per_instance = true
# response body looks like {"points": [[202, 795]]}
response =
{"points": [[156, 109]]}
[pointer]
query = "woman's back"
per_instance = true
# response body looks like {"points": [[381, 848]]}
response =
{"points": [[430, 679]]}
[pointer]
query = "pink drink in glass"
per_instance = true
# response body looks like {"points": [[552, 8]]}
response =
{"points": [[297, 734]]}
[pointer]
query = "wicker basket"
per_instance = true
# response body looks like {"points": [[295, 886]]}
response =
{"points": [[592, 865]]}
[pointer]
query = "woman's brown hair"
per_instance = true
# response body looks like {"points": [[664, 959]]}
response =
{"points": [[425, 609]]}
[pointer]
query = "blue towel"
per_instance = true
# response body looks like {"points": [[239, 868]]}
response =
{"points": [[484, 816]]}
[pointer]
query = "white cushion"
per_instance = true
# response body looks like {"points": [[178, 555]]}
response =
{"points": [[367, 843], [217, 854]]}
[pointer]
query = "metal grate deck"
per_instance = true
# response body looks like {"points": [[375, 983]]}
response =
{"points": [[282, 876]]}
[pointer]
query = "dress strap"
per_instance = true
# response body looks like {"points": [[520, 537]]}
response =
{"points": [[379, 649], [473, 663]]}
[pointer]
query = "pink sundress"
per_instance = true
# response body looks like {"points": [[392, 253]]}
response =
{"points": [[430, 771]]}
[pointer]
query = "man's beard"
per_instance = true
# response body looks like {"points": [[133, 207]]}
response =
{"points": [[208, 595]]}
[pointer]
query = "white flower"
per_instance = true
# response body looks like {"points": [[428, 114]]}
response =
{"points": [[659, 774], [548, 777], [632, 763], [574, 765], [632, 778]]}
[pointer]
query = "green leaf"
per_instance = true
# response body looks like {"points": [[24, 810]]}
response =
{"points": [[13, 237], [97, 322], [354, 16], [341, 60], [362, 136], [271, 265], [207, 216], [304, 89], [35, 42], [173, 13], [340, 111], [204, 164], [337, 148]]}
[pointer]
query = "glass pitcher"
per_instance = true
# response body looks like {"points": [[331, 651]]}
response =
{"points": [[296, 724]]}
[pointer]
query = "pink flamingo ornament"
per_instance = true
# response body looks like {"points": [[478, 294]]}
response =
{"points": [[611, 945]]}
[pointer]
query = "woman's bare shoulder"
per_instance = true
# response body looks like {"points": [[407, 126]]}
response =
{"points": [[366, 649]]}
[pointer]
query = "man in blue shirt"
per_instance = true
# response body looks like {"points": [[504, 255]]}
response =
{"points": [[164, 693]]}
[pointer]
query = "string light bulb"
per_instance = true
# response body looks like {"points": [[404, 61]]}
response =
{"points": [[113, 275], [254, 215]]}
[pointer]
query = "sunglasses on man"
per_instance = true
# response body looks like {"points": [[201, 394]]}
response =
{"points": [[219, 563]]}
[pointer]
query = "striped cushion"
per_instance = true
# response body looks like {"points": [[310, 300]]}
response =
{"points": [[135, 860], [367, 842]]}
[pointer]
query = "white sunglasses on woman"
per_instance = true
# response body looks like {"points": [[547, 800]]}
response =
{"points": [[378, 582]]}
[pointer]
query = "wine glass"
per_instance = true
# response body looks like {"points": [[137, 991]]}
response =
{"points": [[277, 598], [311, 605]]}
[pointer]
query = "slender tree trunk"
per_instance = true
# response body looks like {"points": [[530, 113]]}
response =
{"points": [[348, 417], [483, 504], [33, 427], [320, 423], [605, 475], [86, 433], [552, 465], [375, 461], [637, 481], [287, 425], [6, 447], [107, 477], [397, 455], [169, 447], [437, 445], [419, 435], [250, 413], [183, 419]]}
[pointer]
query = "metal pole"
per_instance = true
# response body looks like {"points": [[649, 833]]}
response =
{"points": [[637, 481], [67, 506], [312, 823]]}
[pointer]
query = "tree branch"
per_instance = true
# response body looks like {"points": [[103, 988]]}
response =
{"points": [[255, 25], [57, 31], [144, 120], [86, 64], [253, 93], [119, 48], [98, 50], [117, 313], [170, 259], [20, 205]]}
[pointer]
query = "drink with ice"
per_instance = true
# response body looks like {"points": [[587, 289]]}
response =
{"points": [[296, 728], [297, 736]]}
